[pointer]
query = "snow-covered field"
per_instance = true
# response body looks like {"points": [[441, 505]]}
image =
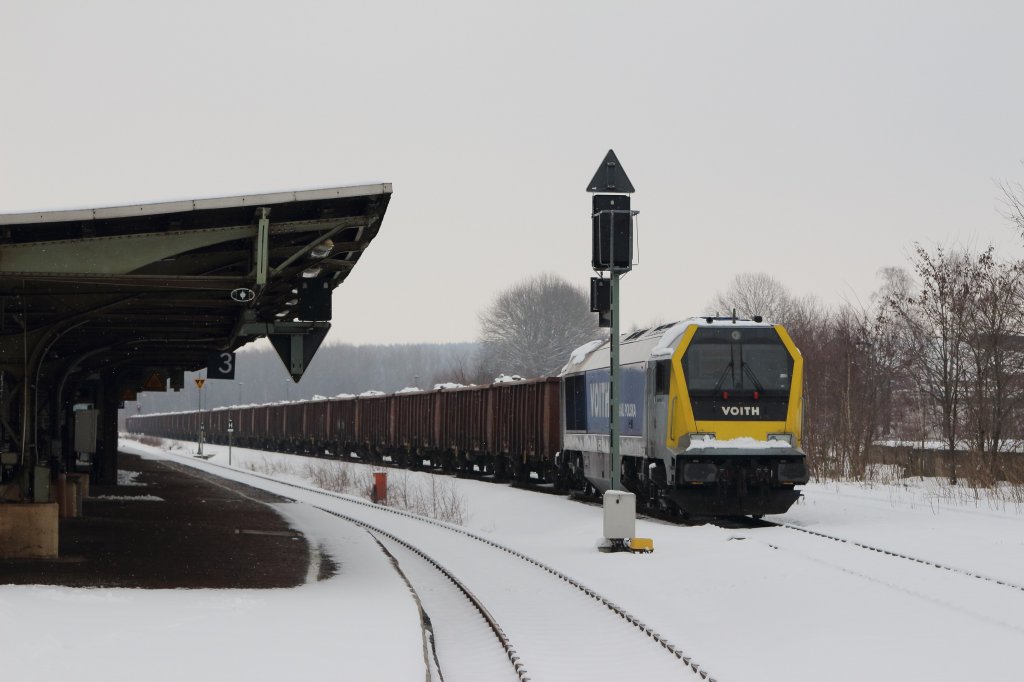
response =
{"points": [[754, 605]]}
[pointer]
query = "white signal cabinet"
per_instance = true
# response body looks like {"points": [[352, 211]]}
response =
{"points": [[619, 515]]}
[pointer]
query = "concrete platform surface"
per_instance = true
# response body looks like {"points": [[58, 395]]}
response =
{"points": [[168, 526]]}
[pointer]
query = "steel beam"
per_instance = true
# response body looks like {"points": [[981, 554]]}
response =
{"points": [[111, 255], [262, 250]]}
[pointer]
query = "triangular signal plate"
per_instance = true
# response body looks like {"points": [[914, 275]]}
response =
{"points": [[297, 350], [610, 177]]}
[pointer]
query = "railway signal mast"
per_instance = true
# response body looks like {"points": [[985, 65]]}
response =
{"points": [[199, 406], [612, 223]]}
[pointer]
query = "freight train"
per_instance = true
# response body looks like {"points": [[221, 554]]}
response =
{"points": [[710, 422]]}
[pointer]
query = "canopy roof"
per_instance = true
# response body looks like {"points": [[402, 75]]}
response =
{"points": [[162, 285]]}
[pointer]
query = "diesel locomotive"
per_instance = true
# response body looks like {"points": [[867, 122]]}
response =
{"points": [[710, 418], [710, 413]]}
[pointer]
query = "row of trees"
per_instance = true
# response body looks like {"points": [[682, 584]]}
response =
{"points": [[937, 355]]}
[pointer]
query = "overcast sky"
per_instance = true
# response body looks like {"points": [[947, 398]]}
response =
{"points": [[812, 140]]}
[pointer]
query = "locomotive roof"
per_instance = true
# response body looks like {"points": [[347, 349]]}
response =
{"points": [[646, 344]]}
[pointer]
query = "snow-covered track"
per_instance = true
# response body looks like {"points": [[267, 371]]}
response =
{"points": [[688, 663], [477, 605], [898, 555]]}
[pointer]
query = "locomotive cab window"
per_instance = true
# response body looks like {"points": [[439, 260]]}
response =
{"points": [[662, 372], [737, 359], [575, 402]]}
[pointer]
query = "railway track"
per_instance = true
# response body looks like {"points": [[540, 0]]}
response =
{"points": [[989, 602], [731, 523], [467, 624], [539, 614], [895, 554]]}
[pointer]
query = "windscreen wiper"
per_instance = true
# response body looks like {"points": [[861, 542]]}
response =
{"points": [[753, 377], [721, 379]]}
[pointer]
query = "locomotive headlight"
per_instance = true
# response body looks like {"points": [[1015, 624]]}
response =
{"points": [[793, 472], [784, 437], [700, 472]]}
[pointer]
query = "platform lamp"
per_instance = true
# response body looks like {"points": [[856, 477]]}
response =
{"points": [[612, 253]]}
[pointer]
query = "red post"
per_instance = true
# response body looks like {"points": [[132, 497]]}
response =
{"points": [[380, 487]]}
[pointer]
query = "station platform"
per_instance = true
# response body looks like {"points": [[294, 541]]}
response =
{"points": [[167, 526]]}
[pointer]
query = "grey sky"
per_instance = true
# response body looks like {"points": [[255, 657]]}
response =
{"points": [[812, 140]]}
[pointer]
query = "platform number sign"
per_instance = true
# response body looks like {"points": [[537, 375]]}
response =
{"points": [[220, 365]]}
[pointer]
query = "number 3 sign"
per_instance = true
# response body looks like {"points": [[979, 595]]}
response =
{"points": [[220, 366]]}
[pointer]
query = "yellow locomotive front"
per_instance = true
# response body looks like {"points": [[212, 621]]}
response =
{"points": [[733, 422]]}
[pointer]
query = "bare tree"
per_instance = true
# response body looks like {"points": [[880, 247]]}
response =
{"points": [[466, 368], [755, 293], [897, 342], [531, 328], [848, 387], [1013, 201], [995, 327], [938, 318]]}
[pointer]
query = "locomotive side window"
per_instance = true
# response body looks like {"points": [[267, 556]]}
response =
{"points": [[738, 359], [575, 402], [661, 377]]}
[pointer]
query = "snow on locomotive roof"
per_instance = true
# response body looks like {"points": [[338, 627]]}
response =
{"points": [[639, 346], [583, 351], [670, 337]]}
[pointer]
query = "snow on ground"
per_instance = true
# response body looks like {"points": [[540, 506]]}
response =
{"points": [[346, 627], [755, 605]]}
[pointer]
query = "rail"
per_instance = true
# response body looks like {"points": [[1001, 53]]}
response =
{"points": [[687, 660], [899, 555]]}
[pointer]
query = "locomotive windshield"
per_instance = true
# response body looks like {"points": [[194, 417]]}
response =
{"points": [[737, 359]]}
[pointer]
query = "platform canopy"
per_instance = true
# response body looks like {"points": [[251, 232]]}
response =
{"points": [[162, 285], [146, 292]]}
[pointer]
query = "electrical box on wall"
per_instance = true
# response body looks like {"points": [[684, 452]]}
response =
{"points": [[85, 430]]}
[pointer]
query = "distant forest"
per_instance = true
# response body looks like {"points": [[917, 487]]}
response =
{"points": [[341, 368]]}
